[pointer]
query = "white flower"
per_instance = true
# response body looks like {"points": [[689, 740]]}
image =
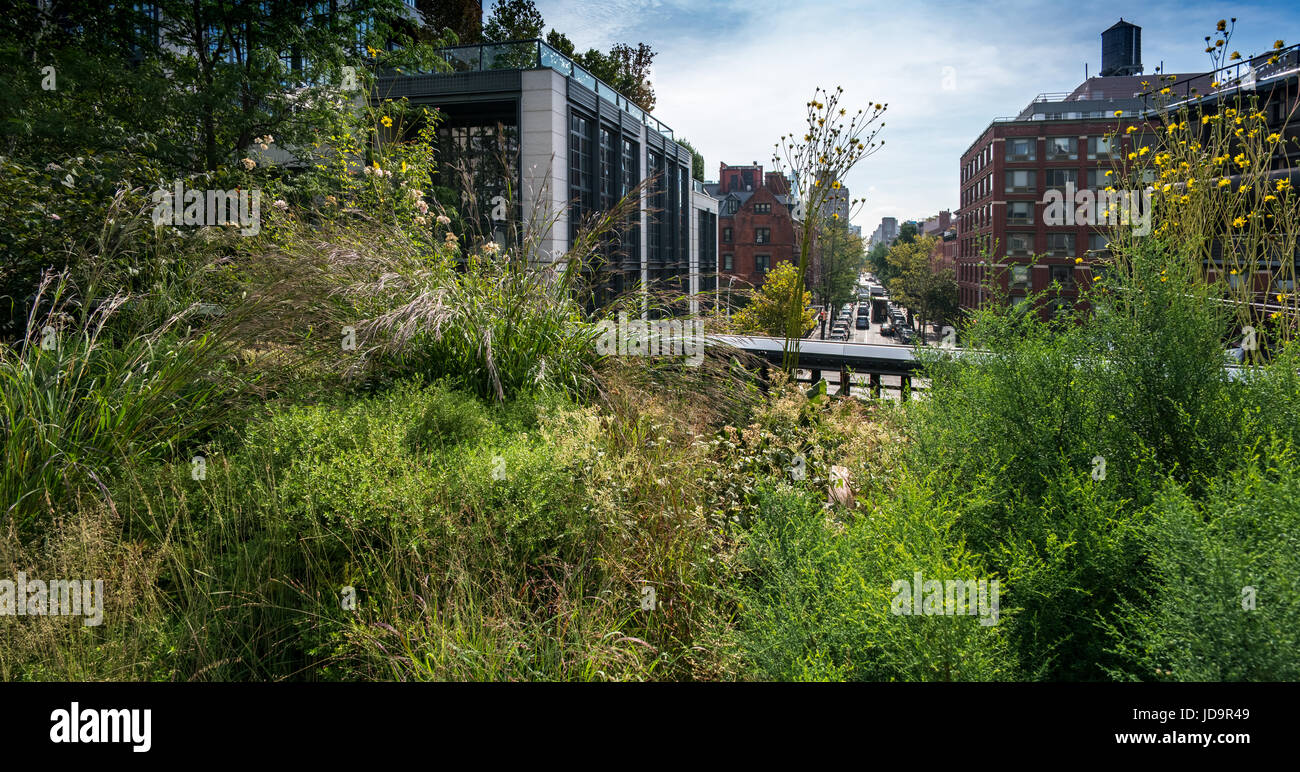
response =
{"points": [[423, 206], [249, 163], [280, 204], [444, 219]]}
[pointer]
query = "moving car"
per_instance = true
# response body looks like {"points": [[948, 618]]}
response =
{"points": [[864, 322], [887, 330]]}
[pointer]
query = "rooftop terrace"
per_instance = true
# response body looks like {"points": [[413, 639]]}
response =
{"points": [[536, 54]]}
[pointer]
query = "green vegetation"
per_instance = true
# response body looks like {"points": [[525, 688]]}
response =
{"points": [[770, 306], [365, 444]]}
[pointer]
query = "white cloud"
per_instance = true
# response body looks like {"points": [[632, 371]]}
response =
{"points": [[733, 76]]}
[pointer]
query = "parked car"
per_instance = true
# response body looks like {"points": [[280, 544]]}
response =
{"points": [[906, 335], [887, 330], [864, 322]]}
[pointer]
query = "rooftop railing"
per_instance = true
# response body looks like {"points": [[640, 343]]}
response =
{"points": [[536, 54], [1239, 76]]}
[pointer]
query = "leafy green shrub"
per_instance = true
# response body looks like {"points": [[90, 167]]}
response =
{"points": [[450, 418], [1224, 603], [816, 601], [1079, 425]]}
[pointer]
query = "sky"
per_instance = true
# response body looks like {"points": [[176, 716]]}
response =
{"points": [[732, 76]]}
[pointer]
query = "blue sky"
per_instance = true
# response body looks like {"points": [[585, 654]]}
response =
{"points": [[732, 75]]}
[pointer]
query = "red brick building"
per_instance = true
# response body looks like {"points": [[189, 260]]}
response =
{"points": [[1059, 142], [756, 230], [943, 229]]}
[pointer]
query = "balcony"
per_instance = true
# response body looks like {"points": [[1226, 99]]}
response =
{"points": [[536, 54]]}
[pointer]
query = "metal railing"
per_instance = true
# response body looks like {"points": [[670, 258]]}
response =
{"points": [[536, 54], [1233, 78]]}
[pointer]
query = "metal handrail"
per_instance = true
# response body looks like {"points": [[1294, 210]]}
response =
{"points": [[1232, 78]]}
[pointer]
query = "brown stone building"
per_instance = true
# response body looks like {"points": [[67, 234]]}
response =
{"points": [[756, 230]]}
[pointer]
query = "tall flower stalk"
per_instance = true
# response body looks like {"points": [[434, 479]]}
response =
{"points": [[1218, 175], [817, 161]]}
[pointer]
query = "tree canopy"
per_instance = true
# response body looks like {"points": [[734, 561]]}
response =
{"points": [[771, 306]]}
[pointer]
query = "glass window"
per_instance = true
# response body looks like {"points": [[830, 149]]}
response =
{"points": [[1063, 148], [763, 263], [1060, 244], [726, 235], [1019, 275], [607, 175], [657, 197], [762, 208], [629, 176], [1098, 147], [1063, 274], [728, 262], [1098, 242], [1021, 181], [1059, 178], [762, 235], [581, 191], [1019, 243], [1020, 212], [1097, 179], [1022, 149]]}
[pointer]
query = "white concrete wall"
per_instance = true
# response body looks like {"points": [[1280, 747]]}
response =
{"points": [[544, 157]]}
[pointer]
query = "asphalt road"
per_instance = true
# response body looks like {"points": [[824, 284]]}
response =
{"points": [[871, 335]]}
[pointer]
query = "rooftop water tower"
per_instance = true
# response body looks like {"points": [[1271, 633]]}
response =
{"points": [[1121, 50]]}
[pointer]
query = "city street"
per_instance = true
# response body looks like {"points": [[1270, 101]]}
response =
{"points": [[861, 386]]}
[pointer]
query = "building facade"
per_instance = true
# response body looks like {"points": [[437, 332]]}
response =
{"points": [[525, 125], [704, 249], [1064, 142], [885, 233], [756, 228]]}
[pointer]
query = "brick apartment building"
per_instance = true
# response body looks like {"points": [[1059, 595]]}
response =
{"points": [[1058, 142], [942, 227], [756, 230]]}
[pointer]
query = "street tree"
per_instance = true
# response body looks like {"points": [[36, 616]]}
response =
{"points": [[841, 259], [772, 305], [917, 286]]}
